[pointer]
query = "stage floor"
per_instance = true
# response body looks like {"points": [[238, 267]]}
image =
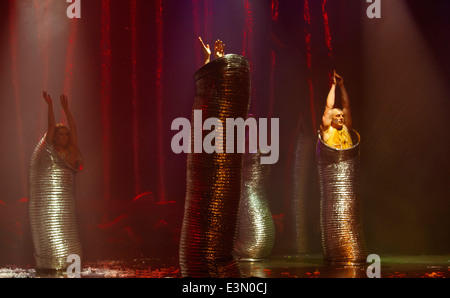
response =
{"points": [[285, 266]]}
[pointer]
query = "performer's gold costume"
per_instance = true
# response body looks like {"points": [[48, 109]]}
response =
{"points": [[339, 139]]}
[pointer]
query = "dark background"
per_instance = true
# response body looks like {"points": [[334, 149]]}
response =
{"points": [[395, 70]]}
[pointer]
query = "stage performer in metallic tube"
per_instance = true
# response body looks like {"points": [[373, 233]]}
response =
{"points": [[53, 168], [214, 179], [337, 123], [339, 174]]}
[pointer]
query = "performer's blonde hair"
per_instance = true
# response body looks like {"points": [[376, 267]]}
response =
{"points": [[62, 126]]}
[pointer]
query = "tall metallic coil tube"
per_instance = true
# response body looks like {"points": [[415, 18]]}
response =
{"points": [[256, 230], [214, 180], [52, 210], [297, 208], [340, 211]]}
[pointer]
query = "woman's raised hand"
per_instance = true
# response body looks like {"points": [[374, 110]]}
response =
{"points": [[47, 97]]}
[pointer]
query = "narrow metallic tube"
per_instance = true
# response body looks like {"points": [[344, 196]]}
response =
{"points": [[52, 209], [256, 230], [214, 180], [297, 213], [340, 211]]}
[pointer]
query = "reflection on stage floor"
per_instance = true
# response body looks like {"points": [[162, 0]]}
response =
{"points": [[285, 266]]}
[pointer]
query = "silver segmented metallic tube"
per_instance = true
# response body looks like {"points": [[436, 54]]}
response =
{"points": [[256, 230], [214, 180], [297, 213], [340, 205], [52, 211]]}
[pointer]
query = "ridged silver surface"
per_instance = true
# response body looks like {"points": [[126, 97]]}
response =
{"points": [[52, 208], [256, 230], [340, 210], [214, 180], [297, 212]]}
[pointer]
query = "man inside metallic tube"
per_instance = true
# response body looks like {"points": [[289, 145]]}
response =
{"points": [[337, 123]]}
